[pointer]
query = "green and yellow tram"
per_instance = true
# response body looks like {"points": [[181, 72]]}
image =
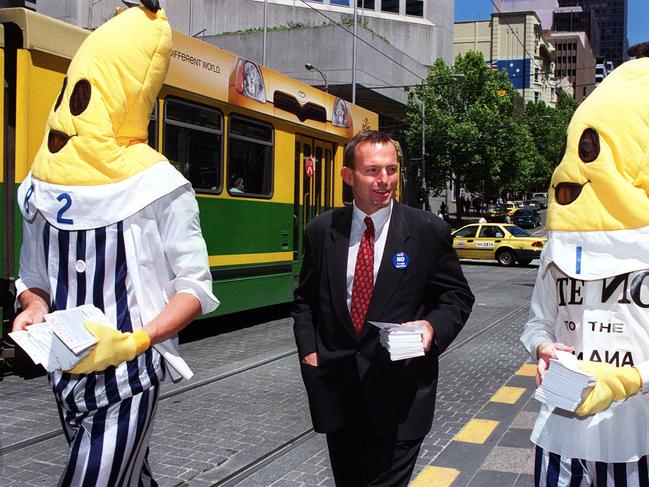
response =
{"points": [[262, 151]]}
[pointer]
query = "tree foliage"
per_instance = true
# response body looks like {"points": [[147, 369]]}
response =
{"points": [[477, 131]]}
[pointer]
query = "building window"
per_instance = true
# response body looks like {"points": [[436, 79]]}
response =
{"points": [[536, 74], [193, 141], [368, 4], [250, 158], [390, 6], [415, 7], [537, 96]]}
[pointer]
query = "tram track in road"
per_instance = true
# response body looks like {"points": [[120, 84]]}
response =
{"points": [[280, 451], [253, 467], [40, 438], [34, 440]]}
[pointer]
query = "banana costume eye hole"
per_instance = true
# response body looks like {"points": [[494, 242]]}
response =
{"points": [[589, 145], [60, 98], [80, 97], [56, 141]]}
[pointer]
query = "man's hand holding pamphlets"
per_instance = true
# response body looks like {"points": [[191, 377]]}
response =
{"points": [[62, 340], [402, 342], [565, 385]]}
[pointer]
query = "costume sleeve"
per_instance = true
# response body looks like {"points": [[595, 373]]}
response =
{"points": [[453, 296], [33, 267], [305, 302], [185, 249], [540, 326]]}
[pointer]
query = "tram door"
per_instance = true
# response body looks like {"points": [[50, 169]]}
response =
{"points": [[314, 182]]}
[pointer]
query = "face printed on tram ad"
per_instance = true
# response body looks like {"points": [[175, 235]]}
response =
{"points": [[601, 317]]}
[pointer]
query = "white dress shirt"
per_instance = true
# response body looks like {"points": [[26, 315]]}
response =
{"points": [[381, 220]]}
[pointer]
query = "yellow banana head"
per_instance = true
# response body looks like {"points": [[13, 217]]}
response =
{"points": [[602, 182], [97, 129]]}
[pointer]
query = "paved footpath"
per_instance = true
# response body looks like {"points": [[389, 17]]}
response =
{"points": [[480, 435]]}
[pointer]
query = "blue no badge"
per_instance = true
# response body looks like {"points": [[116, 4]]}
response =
{"points": [[400, 260]]}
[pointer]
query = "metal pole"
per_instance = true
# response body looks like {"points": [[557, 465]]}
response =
{"points": [[424, 185], [189, 32], [263, 51], [354, 53]]}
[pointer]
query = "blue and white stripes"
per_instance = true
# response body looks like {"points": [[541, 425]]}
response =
{"points": [[553, 470], [107, 416]]}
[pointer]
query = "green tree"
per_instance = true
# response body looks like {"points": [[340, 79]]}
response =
{"points": [[548, 127], [473, 131]]}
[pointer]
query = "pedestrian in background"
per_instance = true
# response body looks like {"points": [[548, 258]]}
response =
{"points": [[375, 260]]}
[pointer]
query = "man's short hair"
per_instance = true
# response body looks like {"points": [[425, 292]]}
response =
{"points": [[372, 137]]}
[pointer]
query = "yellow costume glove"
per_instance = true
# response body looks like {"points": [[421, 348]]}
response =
{"points": [[612, 384], [113, 347]]}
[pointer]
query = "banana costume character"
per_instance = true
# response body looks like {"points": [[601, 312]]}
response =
{"points": [[108, 221], [592, 289]]}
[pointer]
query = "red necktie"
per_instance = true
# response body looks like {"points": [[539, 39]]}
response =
{"points": [[363, 277]]}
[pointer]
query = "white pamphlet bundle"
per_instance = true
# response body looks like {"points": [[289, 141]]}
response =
{"points": [[565, 385], [61, 341], [401, 341]]}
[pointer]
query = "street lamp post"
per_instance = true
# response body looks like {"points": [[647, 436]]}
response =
{"points": [[263, 50], [424, 185], [355, 30], [310, 67]]}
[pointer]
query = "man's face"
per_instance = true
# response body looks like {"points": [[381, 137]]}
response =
{"points": [[374, 177]]}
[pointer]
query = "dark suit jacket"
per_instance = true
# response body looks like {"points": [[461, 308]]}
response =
{"points": [[399, 396]]}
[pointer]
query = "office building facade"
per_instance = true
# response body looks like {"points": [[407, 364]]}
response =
{"points": [[513, 42], [612, 19]]}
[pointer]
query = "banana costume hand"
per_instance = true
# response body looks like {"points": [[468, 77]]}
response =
{"points": [[113, 347], [612, 384]]}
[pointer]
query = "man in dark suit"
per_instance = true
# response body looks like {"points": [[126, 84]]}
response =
{"points": [[375, 261]]}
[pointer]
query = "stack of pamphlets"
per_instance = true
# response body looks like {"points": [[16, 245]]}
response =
{"points": [[565, 385], [401, 341], [61, 341]]}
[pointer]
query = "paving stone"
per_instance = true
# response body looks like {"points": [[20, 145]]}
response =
{"points": [[487, 478], [516, 438], [525, 481], [506, 459]]}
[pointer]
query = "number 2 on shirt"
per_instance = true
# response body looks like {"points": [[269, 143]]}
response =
{"points": [[67, 199]]}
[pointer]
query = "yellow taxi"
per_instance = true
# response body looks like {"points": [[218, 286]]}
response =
{"points": [[512, 206], [504, 243]]}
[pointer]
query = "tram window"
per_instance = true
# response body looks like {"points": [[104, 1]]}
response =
{"points": [[193, 140], [328, 201], [250, 158], [153, 128], [348, 196]]}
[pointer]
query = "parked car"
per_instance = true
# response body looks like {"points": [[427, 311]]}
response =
{"points": [[504, 243], [541, 199], [530, 204], [512, 206], [496, 213], [526, 217]]}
